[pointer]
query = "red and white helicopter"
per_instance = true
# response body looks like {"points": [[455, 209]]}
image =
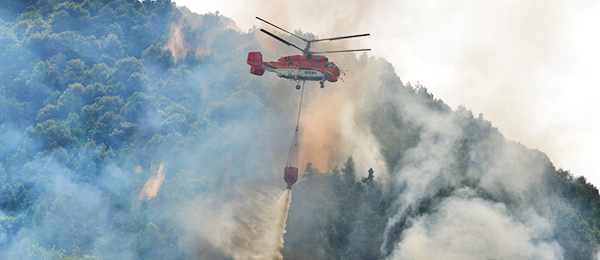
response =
{"points": [[302, 67]]}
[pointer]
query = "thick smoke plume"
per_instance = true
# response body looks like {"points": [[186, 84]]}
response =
{"points": [[467, 227], [492, 168]]}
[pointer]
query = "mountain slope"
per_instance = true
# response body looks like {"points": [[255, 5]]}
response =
{"points": [[131, 129]]}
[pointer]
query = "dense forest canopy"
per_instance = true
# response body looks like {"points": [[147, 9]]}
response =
{"points": [[133, 130]]}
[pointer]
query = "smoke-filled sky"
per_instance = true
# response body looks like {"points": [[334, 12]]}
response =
{"points": [[528, 66]]}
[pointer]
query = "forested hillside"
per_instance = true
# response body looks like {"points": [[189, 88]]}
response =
{"points": [[133, 130]]}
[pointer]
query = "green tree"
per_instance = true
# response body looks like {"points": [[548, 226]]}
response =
{"points": [[158, 56], [51, 134], [76, 72], [51, 253], [369, 179], [348, 171], [150, 242], [125, 67]]}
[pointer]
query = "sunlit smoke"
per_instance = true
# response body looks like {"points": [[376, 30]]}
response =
{"points": [[151, 186], [334, 119], [176, 42]]}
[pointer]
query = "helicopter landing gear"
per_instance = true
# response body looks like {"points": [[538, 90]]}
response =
{"points": [[298, 87], [322, 83]]}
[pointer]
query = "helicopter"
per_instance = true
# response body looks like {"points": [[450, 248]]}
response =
{"points": [[301, 67]]}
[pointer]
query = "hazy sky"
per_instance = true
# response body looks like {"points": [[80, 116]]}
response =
{"points": [[530, 67]]}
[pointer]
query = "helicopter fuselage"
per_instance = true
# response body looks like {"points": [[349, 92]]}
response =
{"points": [[296, 67]]}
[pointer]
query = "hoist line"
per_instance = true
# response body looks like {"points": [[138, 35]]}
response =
{"points": [[293, 154], [300, 107]]}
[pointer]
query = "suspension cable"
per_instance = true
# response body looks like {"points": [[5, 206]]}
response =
{"points": [[300, 108], [293, 154]]}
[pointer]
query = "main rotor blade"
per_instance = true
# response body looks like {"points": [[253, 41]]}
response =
{"points": [[281, 40], [342, 37], [281, 29], [317, 52]]}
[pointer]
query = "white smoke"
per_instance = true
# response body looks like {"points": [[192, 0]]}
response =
{"points": [[466, 227], [359, 141]]}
